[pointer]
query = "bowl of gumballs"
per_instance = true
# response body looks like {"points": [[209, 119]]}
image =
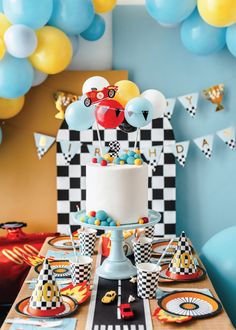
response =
{"points": [[99, 218], [128, 158]]}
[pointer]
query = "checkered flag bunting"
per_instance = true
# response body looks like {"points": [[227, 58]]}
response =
{"points": [[43, 143], [231, 144], [181, 159], [170, 108], [207, 152], [40, 152], [205, 144], [71, 178], [190, 103]]}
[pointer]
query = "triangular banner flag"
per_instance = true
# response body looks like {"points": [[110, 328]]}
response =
{"points": [[228, 136], [69, 149], [215, 95], [180, 151], [170, 108], [152, 154], [145, 114], [190, 103], [117, 112], [94, 150], [43, 143], [205, 144]]}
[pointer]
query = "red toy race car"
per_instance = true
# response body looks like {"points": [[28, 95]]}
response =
{"points": [[96, 96], [126, 311]]}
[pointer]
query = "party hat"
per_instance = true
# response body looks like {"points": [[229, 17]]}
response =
{"points": [[182, 266], [46, 299]]}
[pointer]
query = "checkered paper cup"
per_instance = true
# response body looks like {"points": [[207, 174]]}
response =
{"points": [[142, 249], [81, 270], [147, 280], [87, 240], [149, 232]]}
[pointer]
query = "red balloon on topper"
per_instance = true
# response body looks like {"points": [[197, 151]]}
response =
{"points": [[109, 113]]}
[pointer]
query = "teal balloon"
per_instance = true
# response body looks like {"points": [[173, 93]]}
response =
{"points": [[0, 135], [231, 39], [72, 16], [139, 112], [170, 11], [200, 38], [16, 77], [218, 255], [96, 30], [79, 117], [33, 13]]}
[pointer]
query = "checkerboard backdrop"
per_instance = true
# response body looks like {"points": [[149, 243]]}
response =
{"points": [[71, 177]]}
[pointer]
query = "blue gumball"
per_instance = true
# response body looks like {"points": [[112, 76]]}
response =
{"points": [[139, 112], [16, 77], [72, 16], [79, 117], [91, 220], [0, 135], [117, 160], [34, 14], [130, 160], [170, 11], [200, 38], [231, 39], [101, 215], [96, 30], [124, 157]]}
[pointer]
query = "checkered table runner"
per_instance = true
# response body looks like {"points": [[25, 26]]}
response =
{"points": [[71, 177]]}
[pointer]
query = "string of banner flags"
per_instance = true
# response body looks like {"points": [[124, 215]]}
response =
{"points": [[152, 154]]}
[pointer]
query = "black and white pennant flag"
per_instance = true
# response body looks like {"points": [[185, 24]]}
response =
{"points": [[228, 136], [205, 144], [180, 151], [43, 143], [152, 155], [170, 108], [190, 103], [69, 149]]}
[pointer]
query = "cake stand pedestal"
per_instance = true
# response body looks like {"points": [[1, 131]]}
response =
{"points": [[117, 266]]}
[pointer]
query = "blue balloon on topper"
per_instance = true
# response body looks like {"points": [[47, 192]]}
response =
{"points": [[72, 16], [231, 39], [0, 135], [16, 77], [201, 38], [170, 11], [96, 30], [32, 13], [139, 112], [79, 117]]}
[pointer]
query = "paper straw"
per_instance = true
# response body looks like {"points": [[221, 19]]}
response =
{"points": [[136, 140], [164, 252], [73, 245], [99, 139]]}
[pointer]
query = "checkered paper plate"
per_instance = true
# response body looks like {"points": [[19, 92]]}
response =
{"points": [[164, 278], [60, 268], [64, 242], [70, 304]]}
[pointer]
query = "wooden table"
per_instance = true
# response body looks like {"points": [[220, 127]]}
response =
{"points": [[221, 321]]}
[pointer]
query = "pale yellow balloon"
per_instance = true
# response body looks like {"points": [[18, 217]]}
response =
{"points": [[2, 49], [11, 107], [4, 24], [127, 90], [103, 6], [219, 13], [54, 51]]}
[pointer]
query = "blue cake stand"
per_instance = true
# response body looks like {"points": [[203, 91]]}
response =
{"points": [[117, 266]]}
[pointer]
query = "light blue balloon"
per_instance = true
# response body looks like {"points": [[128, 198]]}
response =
{"points": [[79, 117], [199, 37], [16, 77], [139, 112], [33, 13], [0, 135], [74, 43], [170, 11], [72, 16], [96, 30], [218, 255], [231, 39], [1, 9]]}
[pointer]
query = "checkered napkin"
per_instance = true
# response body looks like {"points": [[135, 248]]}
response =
{"points": [[67, 324]]}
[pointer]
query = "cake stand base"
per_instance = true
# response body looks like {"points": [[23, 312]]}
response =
{"points": [[117, 266]]}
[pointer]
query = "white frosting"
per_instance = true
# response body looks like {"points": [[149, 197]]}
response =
{"points": [[120, 190]]}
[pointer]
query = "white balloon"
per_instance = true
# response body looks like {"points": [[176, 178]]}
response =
{"points": [[95, 82], [39, 77], [158, 101], [20, 40]]}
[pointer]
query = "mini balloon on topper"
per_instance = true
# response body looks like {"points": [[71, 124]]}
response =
{"points": [[127, 90], [126, 127], [79, 117], [139, 112], [158, 101], [94, 83], [109, 113]]}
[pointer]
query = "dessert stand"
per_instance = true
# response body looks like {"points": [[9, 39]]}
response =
{"points": [[117, 266]]}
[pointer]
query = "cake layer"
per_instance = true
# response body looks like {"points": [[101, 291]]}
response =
{"points": [[120, 190]]}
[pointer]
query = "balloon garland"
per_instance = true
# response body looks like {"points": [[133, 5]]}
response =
{"points": [[206, 25], [38, 38]]}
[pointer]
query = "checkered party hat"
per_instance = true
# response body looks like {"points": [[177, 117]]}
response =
{"points": [[46, 299], [182, 265]]}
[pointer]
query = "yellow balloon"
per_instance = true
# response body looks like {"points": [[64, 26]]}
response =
{"points": [[219, 13], [4, 24], [103, 6], [2, 49], [54, 51], [11, 107], [127, 90]]}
